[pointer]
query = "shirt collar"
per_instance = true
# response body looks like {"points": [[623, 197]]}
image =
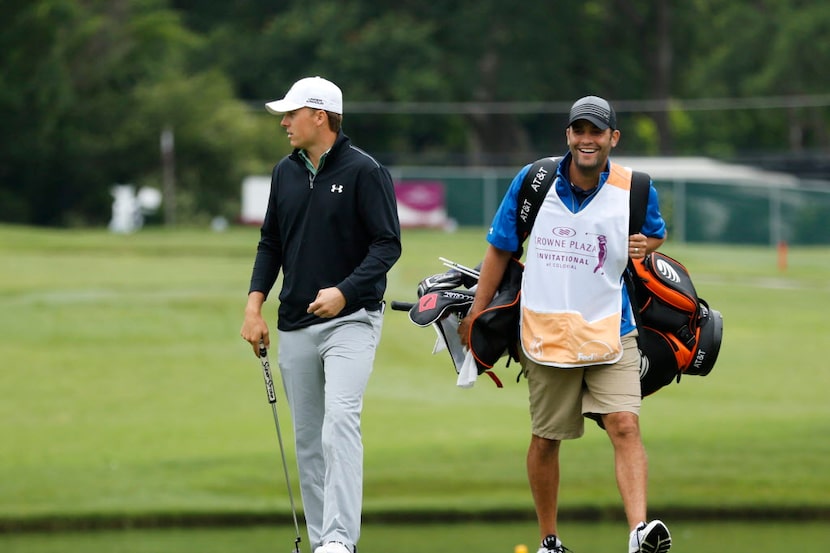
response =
{"points": [[565, 164], [309, 165], [566, 190]]}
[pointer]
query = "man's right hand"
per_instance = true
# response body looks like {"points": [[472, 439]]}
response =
{"points": [[464, 329], [254, 328], [492, 270]]}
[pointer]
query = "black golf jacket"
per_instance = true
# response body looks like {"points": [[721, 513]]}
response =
{"points": [[338, 228]]}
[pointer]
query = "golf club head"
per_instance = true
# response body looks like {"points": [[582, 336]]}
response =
{"points": [[441, 281]]}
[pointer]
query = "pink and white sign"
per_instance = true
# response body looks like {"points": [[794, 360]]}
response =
{"points": [[421, 203]]}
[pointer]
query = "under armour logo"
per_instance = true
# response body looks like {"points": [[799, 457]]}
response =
{"points": [[337, 188]]}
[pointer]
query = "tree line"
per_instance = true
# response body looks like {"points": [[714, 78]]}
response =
{"points": [[90, 85]]}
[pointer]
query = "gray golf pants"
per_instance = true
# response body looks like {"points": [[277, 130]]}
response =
{"points": [[325, 369]]}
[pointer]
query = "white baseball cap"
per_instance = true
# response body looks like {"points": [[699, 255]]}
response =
{"points": [[311, 92]]}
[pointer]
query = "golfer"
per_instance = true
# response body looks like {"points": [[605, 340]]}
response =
{"points": [[332, 227]]}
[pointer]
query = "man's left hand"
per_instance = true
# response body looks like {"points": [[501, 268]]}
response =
{"points": [[637, 246], [328, 303]]}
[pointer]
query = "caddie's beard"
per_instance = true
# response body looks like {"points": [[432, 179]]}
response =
{"points": [[597, 165]]}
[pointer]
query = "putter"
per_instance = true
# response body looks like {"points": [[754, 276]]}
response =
{"points": [[272, 399]]}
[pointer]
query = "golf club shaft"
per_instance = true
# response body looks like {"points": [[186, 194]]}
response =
{"points": [[460, 268], [272, 399]]}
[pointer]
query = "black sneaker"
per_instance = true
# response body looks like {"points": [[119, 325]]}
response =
{"points": [[653, 537], [552, 544]]}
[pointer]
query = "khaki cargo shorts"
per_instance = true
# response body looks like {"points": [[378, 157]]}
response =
{"points": [[561, 398]]}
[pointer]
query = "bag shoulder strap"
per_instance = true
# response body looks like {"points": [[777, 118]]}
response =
{"points": [[638, 203], [532, 193]]}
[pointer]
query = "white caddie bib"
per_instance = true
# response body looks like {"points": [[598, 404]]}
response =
{"points": [[571, 299]]}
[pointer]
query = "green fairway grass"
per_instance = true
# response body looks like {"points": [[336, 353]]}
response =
{"points": [[128, 393], [687, 537]]}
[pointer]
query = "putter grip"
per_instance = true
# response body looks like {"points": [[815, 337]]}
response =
{"points": [[401, 305], [266, 373]]}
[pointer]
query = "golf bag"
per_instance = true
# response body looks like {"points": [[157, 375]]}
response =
{"points": [[679, 332], [493, 333]]}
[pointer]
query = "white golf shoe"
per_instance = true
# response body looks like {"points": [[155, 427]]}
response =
{"points": [[653, 537]]}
